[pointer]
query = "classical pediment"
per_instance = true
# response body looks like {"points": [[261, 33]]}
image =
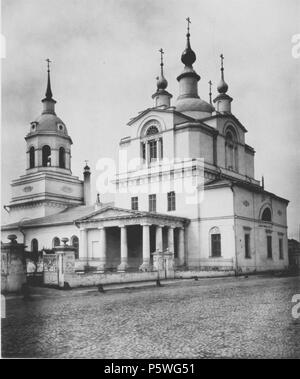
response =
{"points": [[108, 213]]}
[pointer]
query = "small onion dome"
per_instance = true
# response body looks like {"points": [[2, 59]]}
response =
{"points": [[162, 82], [223, 86], [86, 168], [188, 57]]}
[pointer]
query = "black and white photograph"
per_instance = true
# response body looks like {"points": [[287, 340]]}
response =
{"points": [[150, 175]]}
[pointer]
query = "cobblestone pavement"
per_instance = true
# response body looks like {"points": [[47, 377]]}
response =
{"points": [[225, 317]]}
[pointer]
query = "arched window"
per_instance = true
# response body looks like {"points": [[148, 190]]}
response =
{"points": [[152, 130], [55, 242], [152, 149], [62, 158], [267, 215], [34, 245], [31, 157], [75, 244], [231, 149], [215, 242], [46, 152]]}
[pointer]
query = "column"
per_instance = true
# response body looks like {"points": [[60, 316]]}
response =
{"points": [[146, 248], [171, 239], [102, 249], [83, 245], [159, 238], [68, 159], [160, 149], [60, 268], [124, 250], [39, 158], [54, 157], [28, 160], [147, 153], [181, 255]]}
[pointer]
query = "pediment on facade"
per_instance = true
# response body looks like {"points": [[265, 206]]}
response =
{"points": [[156, 111], [109, 212], [113, 215]]}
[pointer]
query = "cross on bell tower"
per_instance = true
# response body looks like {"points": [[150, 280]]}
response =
{"points": [[210, 94]]}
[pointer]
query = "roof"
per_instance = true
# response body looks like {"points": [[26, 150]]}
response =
{"points": [[226, 115], [49, 122], [167, 110], [224, 182], [68, 216]]}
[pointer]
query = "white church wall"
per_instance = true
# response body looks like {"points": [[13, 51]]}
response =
{"points": [[181, 144], [259, 260], [248, 208], [45, 235], [217, 202], [201, 145], [216, 210], [249, 164]]}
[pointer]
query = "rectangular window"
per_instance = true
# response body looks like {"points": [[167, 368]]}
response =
{"points": [[280, 248], [171, 201], [161, 149], [144, 151], [152, 203], [216, 245], [153, 150], [135, 203], [247, 246], [269, 246]]}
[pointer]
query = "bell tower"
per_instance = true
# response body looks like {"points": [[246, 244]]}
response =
{"points": [[48, 185]]}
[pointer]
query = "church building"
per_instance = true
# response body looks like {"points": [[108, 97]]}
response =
{"points": [[186, 187]]}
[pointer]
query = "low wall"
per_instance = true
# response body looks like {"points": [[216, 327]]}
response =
{"points": [[188, 274], [94, 278], [13, 269]]}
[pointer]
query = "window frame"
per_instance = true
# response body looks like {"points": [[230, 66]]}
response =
{"points": [[171, 198], [270, 214], [32, 157], [76, 247], [269, 247], [34, 241], [280, 247], [54, 242], [62, 157], [44, 161], [153, 148], [213, 243], [152, 203], [134, 203], [247, 245]]}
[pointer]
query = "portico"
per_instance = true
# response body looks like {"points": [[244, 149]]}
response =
{"points": [[118, 239]]}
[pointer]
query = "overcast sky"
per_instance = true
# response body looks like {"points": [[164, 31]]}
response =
{"points": [[105, 60]]}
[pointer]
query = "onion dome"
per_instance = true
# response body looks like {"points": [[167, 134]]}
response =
{"points": [[223, 86], [188, 101], [223, 100], [86, 167], [162, 82], [161, 96]]}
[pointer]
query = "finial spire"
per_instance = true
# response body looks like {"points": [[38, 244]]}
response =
{"points": [[162, 83], [223, 86], [161, 61], [210, 94], [222, 66], [188, 57], [188, 26], [48, 91]]}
